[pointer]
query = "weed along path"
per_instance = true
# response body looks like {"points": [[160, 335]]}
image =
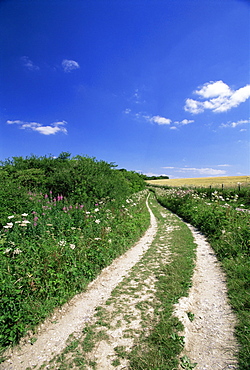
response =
{"points": [[140, 312]]}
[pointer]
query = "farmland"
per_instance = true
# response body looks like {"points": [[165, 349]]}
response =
{"points": [[214, 182]]}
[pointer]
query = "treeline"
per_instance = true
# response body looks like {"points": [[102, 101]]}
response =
{"points": [[162, 177], [80, 179]]}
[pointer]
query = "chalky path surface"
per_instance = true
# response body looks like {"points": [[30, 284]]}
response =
{"points": [[209, 339]]}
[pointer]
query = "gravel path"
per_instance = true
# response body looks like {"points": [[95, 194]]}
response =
{"points": [[209, 339]]}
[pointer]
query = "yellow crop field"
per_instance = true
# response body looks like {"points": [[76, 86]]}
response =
{"points": [[205, 182]]}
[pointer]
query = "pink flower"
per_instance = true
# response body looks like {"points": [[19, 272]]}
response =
{"points": [[35, 218], [46, 196]]}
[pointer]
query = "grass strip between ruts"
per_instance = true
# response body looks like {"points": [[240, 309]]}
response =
{"points": [[160, 350]]}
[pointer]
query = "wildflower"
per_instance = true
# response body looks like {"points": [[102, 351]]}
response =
{"points": [[35, 218], [97, 221], [9, 217], [108, 229], [35, 224], [7, 250], [26, 222], [62, 243], [24, 214], [7, 227], [46, 196], [96, 209], [97, 238], [17, 251], [49, 224], [17, 222], [72, 246], [87, 213]]}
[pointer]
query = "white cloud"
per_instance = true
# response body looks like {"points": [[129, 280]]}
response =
{"points": [[52, 129], [160, 120], [200, 171], [27, 63], [184, 122], [220, 98], [69, 65], [235, 123], [203, 171], [212, 89]]}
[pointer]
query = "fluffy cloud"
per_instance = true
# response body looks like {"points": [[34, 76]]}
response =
{"points": [[69, 65], [27, 63], [160, 120], [219, 98], [235, 124], [199, 171], [52, 129]]}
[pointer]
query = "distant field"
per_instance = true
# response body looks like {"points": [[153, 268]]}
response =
{"points": [[215, 182]]}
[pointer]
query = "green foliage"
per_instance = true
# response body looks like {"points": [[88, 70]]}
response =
{"points": [[61, 221]]}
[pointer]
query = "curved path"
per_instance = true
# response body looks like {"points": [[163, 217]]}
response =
{"points": [[209, 339]]}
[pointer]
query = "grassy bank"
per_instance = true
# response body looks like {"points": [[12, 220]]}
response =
{"points": [[61, 221]]}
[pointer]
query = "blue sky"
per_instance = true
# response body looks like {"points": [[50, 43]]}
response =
{"points": [[156, 86]]}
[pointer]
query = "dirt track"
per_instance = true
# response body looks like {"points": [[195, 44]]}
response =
{"points": [[209, 339]]}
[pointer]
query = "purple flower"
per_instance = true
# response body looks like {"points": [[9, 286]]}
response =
{"points": [[35, 218]]}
